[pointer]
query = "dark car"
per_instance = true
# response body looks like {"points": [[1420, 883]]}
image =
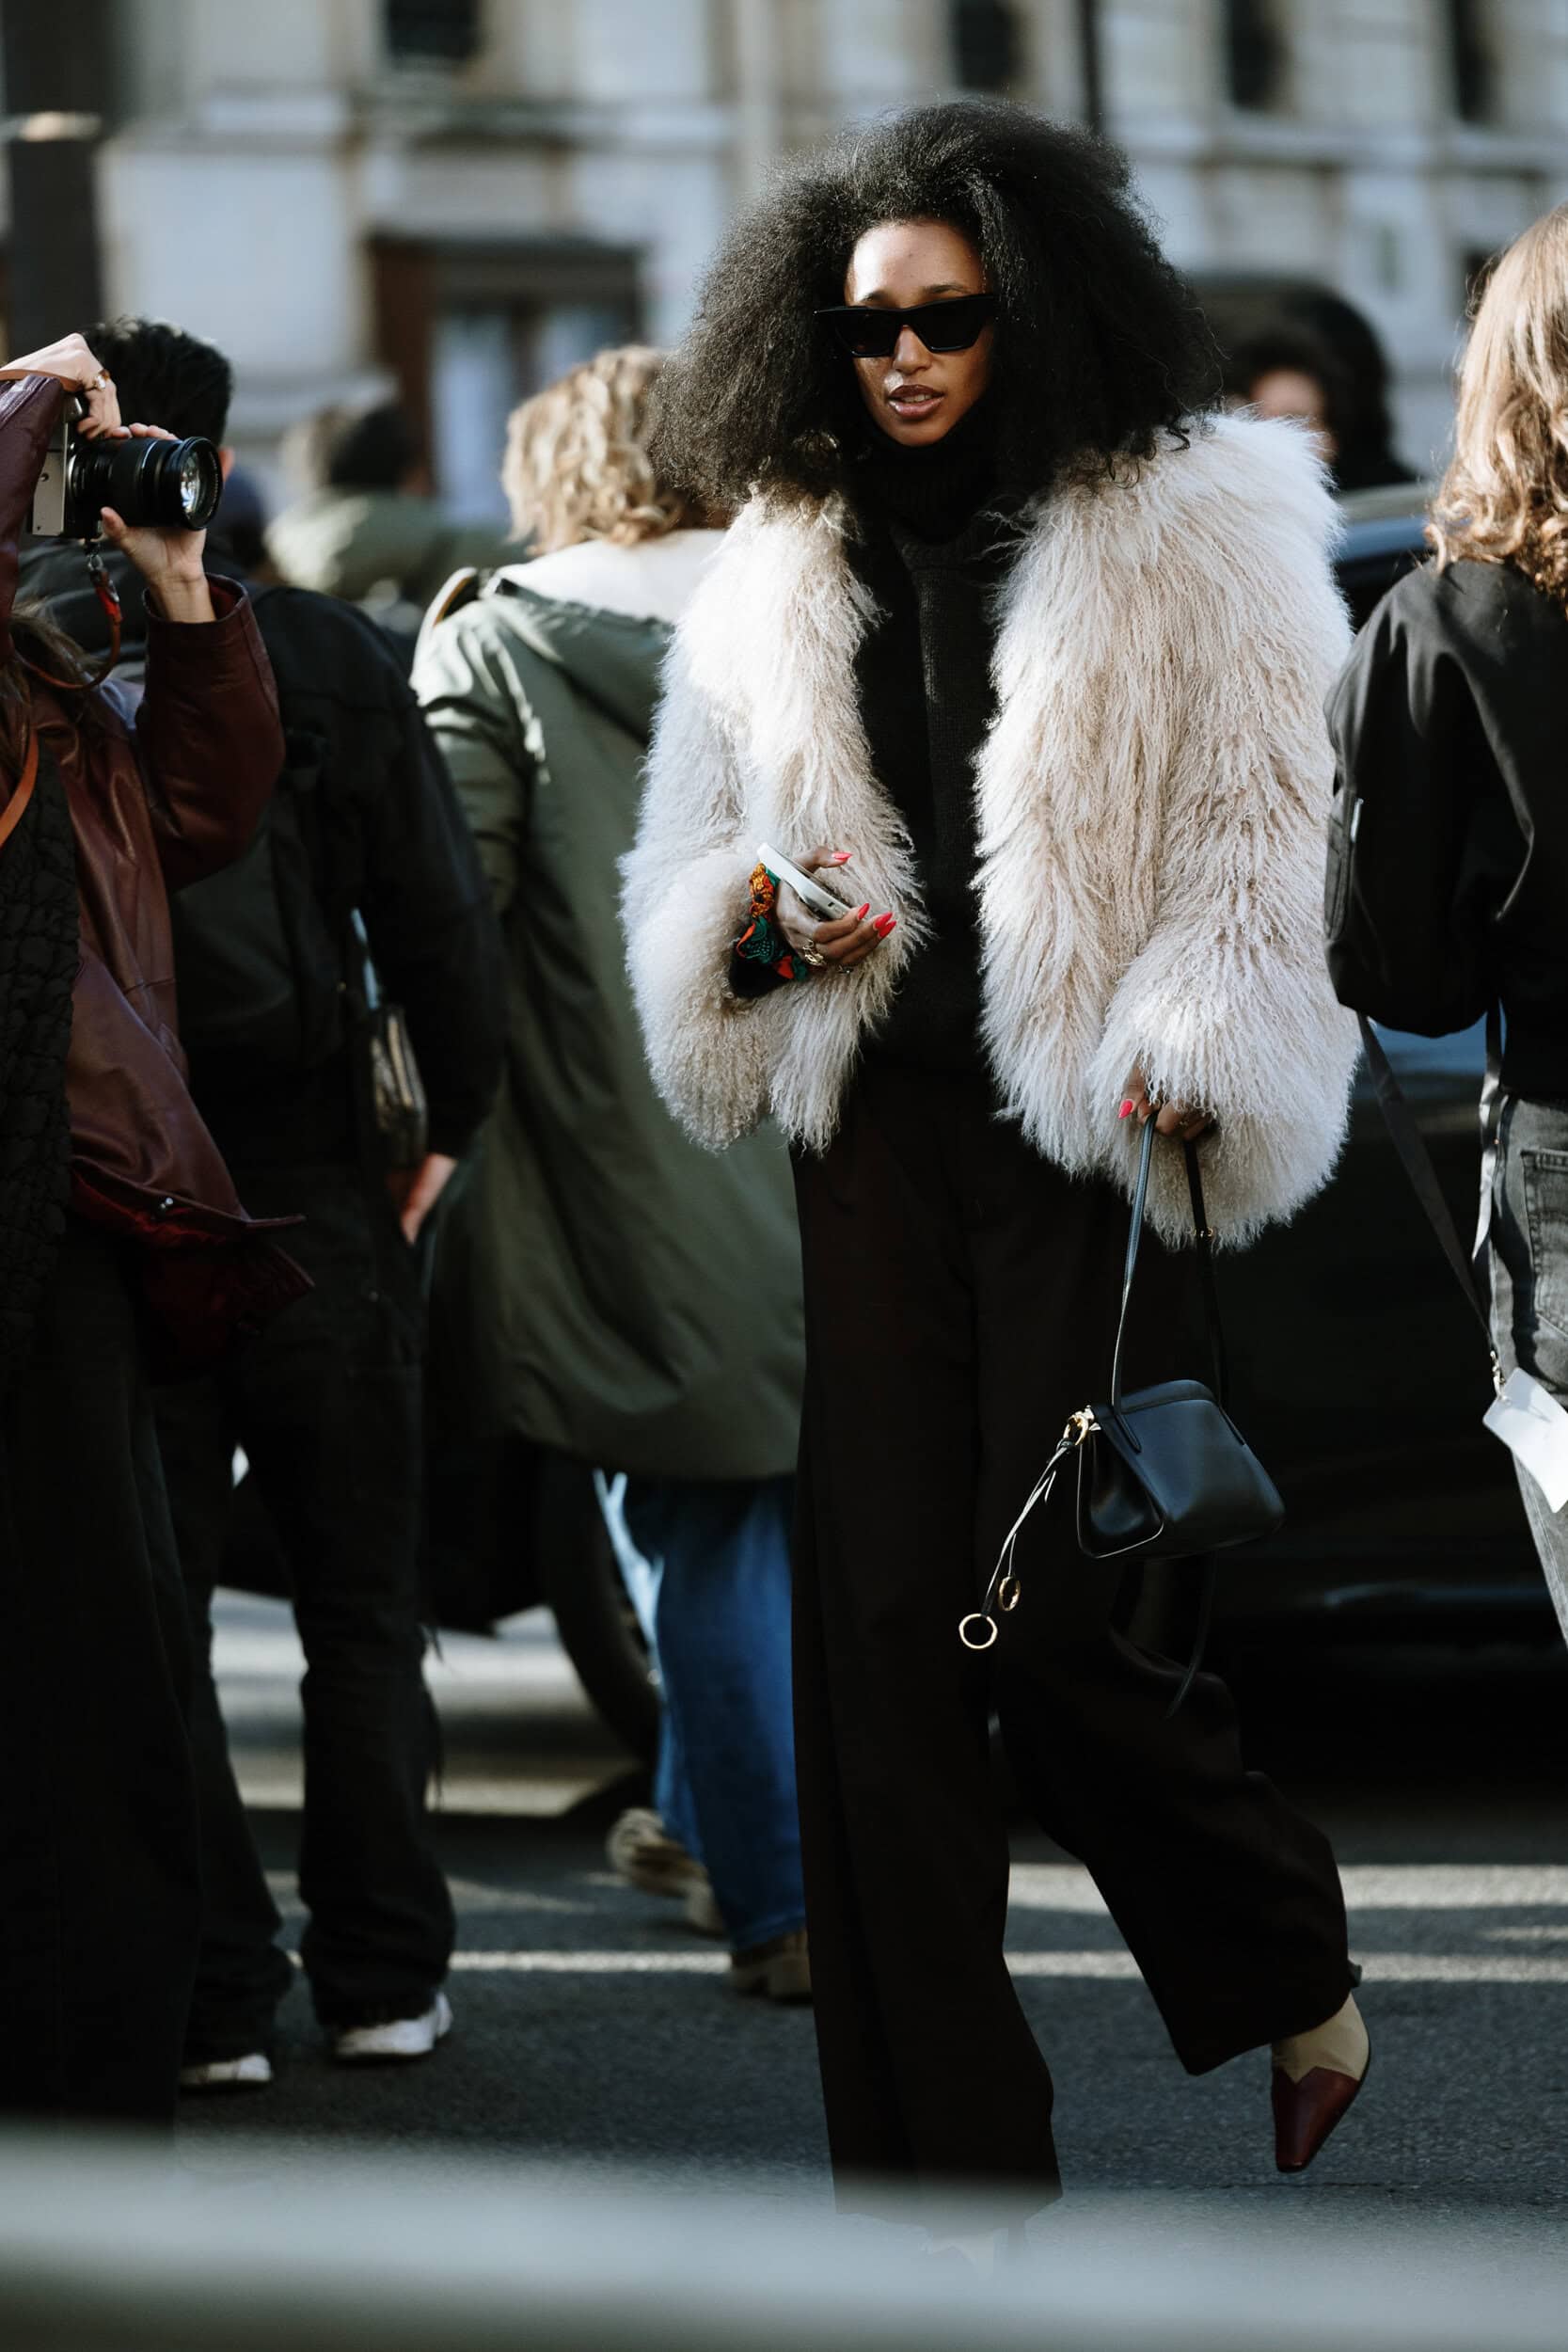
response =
{"points": [[1360, 1379], [1384, 537]]}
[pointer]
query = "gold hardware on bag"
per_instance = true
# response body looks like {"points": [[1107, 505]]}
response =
{"points": [[1005, 1589]]}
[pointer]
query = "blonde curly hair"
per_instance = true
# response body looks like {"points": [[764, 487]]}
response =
{"points": [[576, 465], [1504, 499]]}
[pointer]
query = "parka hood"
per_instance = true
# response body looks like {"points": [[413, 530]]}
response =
{"points": [[612, 660], [606, 615]]}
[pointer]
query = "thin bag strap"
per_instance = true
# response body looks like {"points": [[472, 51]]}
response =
{"points": [[16, 807], [1206, 1265], [1415, 1159], [1204, 1235]]}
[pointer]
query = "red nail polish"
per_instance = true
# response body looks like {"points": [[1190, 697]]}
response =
{"points": [[1126, 1111], [839, 857], [883, 924], [861, 913]]}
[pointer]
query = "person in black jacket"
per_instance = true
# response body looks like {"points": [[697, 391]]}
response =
{"points": [[327, 1406], [1449, 879]]}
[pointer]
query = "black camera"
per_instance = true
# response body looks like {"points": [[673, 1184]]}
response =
{"points": [[152, 486]]}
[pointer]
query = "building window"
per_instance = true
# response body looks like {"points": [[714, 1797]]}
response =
{"points": [[430, 32], [1255, 55], [1471, 64], [469, 329], [984, 43]]}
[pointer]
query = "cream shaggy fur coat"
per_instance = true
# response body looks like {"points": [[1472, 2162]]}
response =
{"points": [[1151, 802]]}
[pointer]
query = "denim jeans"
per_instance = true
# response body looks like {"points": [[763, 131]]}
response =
{"points": [[1529, 1288], [326, 1406], [717, 1553]]}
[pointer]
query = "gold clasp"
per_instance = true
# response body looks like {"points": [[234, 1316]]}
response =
{"points": [[1081, 1428]]}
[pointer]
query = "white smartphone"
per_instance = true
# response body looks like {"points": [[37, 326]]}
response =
{"points": [[810, 894]]}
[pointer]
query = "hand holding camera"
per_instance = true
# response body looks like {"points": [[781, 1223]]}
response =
{"points": [[133, 485], [72, 363]]}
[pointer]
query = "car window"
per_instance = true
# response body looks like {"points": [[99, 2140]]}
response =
{"points": [[1461, 1056]]}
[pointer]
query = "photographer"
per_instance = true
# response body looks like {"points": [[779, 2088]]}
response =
{"points": [[328, 1406], [121, 1244]]}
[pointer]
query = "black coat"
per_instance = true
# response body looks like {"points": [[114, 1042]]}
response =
{"points": [[1448, 885]]}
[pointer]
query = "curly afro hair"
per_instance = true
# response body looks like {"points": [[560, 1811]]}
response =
{"points": [[1099, 346]]}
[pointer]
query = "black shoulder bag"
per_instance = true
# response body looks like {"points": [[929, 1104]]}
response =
{"points": [[1161, 1471]]}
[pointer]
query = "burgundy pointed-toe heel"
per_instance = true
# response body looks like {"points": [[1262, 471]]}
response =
{"points": [[1305, 2113]]}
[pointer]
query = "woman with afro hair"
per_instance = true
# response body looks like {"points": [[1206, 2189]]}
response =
{"points": [[1033, 648]]}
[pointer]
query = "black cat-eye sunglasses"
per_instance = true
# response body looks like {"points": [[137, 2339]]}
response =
{"points": [[868, 333]]}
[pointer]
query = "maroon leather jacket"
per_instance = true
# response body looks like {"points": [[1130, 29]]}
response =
{"points": [[156, 801]]}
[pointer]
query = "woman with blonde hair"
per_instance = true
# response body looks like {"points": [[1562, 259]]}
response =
{"points": [[636, 1302], [1449, 889]]}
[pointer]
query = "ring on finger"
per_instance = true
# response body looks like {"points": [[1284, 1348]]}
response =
{"points": [[813, 956]]}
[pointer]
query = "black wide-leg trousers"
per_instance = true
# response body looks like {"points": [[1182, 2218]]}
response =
{"points": [[961, 1301]]}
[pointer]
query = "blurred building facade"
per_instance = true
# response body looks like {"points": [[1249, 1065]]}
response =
{"points": [[461, 197]]}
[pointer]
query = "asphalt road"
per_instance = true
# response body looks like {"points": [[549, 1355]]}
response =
{"points": [[594, 2030]]}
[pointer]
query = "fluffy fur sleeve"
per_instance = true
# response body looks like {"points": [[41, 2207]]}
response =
{"points": [[1227, 1004], [683, 905]]}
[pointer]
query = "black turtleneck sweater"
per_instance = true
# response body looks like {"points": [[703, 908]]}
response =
{"points": [[933, 549]]}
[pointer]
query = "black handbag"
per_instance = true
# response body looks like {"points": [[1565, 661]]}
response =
{"points": [[1162, 1471]]}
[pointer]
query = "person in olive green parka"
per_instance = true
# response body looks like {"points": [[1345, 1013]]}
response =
{"points": [[636, 1301]]}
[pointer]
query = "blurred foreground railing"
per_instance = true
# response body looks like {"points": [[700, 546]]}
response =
{"points": [[258, 2251]]}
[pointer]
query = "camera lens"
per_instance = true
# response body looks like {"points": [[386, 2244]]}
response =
{"points": [[152, 486], [199, 480]]}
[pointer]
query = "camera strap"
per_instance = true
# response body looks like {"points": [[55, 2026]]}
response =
{"points": [[108, 597]]}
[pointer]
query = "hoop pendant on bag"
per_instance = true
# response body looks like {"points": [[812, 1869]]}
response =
{"points": [[1005, 1589], [1006, 1597]]}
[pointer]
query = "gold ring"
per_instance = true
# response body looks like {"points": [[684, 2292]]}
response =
{"points": [[813, 956]]}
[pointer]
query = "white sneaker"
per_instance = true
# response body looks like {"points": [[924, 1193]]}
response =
{"points": [[251, 2072], [399, 2038], [640, 1851]]}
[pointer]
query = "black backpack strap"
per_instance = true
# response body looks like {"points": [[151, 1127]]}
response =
{"points": [[1415, 1159]]}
